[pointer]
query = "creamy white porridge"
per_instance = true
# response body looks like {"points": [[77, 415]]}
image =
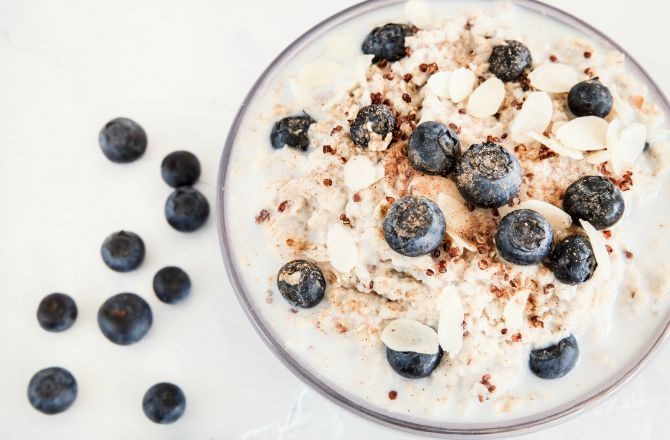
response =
{"points": [[327, 205]]}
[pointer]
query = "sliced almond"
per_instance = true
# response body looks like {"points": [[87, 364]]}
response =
{"points": [[359, 173], [438, 83], [585, 133], [361, 69], [659, 135], [555, 216], [597, 157], [599, 247], [419, 14], [342, 251], [624, 110], [432, 109], [513, 314], [461, 84], [535, 116], [556, 146], [450, 326], [554, 78], [486, 99], [631, 142], [613, 135], [410, 335]]}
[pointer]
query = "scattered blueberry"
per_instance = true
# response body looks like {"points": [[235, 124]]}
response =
{"points": [[487, 175], [590, 98], [291, 131], [301, 283], [56, 312], [386, 42], [556, 360], [125, 318], [414, 226], [186, 209], [508, 61], [52, 390], [180, 168], [573, 260], [378, 117], [413, 365], [122, 140], [433, 148], [594, 199], [164, 403], [172, 284], [123, 251], [524, 237]]}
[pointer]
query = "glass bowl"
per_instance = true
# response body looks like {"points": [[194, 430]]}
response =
{"points": [[344, 399]]}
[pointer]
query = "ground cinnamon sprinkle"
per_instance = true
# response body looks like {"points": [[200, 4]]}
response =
{"points": [[423, 67], [262, 216], [430, 272], [390, 199], [553, 58], [336, 129], [516, 337], [536, 322], [587, 54], [548, 288], [345, 219], [442, 268], [406, 98], [393, 394], [609, 248], [357, 197], [376, 98], [282, 206], [327, 182], [407, 77], [343, 159], [607, 233], [628, 254], [382, 63], [483, 264], [503, 331]]}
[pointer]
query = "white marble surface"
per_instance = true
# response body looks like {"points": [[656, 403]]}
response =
{"points": [[181, 68]]}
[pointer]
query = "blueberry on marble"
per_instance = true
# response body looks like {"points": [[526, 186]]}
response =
{"points": [[594, 199], [56, 312], [413, 365], [172, 284], [386, 42], [292, 132], [122, 140], [377, 117], [164, 403], [125, 318], [524, 237], [487, 175], [301, 283], [556, 360], [52, 390], [433, 148], [572, 260], [186, 209], [123, 251], [508, 61], [590, 98], [180, 168], [414, 226]]}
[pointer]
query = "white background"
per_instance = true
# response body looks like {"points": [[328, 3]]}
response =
{"points": [[181, 68]]}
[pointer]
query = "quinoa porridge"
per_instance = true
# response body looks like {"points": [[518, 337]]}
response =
{"points": [[413, 294]]}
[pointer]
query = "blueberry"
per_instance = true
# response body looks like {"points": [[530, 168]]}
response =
{"points": [[414, 226], [572, 260], [386, 42], [56, 312], [594, 199], [524, 237], [52, 390], [487, 175], [186, 209], [301, 283], [291, 131], [556, 360], [122, 140], [172, 284], [413, 365], [590, 98], [378, 117], [123, 251], [433, 148], [508, 61], [180, 168], [164, 403], [125, 318]]}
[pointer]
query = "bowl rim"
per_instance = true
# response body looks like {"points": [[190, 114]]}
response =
{"points": [[457, 430]]}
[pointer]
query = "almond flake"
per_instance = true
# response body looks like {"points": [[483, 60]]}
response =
{"points": [[342, 251], [513, 313], [439, 84], [410, 335], [556, 146], [535, 116], [419, 14], [554, 78], [450, 326], [486, 99], [614, 130], [624, 110], [359, 173], [599, 247], [597, 157], [631, 142], [461, 84], [557, 218], [585, 133]]}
